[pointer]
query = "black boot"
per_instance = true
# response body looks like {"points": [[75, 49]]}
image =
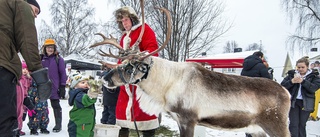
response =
{"points": [[124, 132], [34, 132], [58, 120], [44, 131]]}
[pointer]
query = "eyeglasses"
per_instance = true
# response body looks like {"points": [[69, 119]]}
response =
{"points": [[50, 47]]}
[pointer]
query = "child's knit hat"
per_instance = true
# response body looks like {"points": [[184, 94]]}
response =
{"points": [[75, 79], [24, 64]]}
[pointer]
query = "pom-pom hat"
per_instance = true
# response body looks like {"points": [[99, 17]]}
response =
{"points": [[75, 79]]}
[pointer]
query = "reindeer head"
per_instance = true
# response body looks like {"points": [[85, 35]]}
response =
{"points": [[135, 64]]}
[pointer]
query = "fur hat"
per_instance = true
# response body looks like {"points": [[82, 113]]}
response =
{"points": [[126, 11], [75, 79], [34, 3], [24, 65]]}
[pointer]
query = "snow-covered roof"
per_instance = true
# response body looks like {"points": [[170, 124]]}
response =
{"points": [[226, 60]]}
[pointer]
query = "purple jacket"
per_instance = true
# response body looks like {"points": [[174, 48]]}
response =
{"points": [[57, 73]]}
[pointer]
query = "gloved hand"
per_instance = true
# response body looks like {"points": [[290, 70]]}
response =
{"points": [[31, 113], [43, 82], [95, 88], [62, 91]]}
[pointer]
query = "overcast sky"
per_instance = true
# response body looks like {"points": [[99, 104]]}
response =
{"points": [[253, 21]]}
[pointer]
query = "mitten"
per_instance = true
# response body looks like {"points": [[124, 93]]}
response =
{"points": [[43, 83], [62, 91], [31, 113], [28, 103], [95, 88]]}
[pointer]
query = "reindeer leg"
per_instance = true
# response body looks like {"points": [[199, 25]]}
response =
{"points": [[186, 128]]}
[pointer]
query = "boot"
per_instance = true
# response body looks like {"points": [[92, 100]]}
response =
{"points": [[21, 133], [58, 120], [44, 131], [34, 132], [124, 132]]}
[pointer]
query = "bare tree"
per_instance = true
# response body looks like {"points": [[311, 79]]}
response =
{"points": [[73, 26], [230, 46], [307, 15], [254, 46], [197, 24]]}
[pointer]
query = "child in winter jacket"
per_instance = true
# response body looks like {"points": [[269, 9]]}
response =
{"points": [[82, 96], [22, 94], [38, 118]]}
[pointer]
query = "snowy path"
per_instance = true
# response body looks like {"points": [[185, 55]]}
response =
{"points": [[313, 127]]}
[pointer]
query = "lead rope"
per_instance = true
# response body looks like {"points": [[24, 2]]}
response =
{"points": [[132, 108]]}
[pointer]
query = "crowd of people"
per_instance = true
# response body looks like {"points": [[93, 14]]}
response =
{"points": [[28, 85]]}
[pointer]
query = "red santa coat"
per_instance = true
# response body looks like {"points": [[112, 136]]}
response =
{"points": [[126, 99]]}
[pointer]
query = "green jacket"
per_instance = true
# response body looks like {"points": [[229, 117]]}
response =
{"points": [[18, 34], [82, 115]]}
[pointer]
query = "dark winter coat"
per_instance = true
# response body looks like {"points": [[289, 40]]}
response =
{"points": [[110, 96], [254, 67], [57, 73], [82, 115], [308, 88], [18, 34]]}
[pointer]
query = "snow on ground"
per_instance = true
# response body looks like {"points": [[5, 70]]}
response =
{"points": [[313, 127]]}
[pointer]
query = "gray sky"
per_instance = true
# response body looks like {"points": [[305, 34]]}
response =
{"points": [[256, 20], [253, 20]]}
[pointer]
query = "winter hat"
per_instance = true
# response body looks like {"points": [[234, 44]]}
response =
{"points": [[126, 11], [24, 65], [75, 79], [34, 3], [49, 42]]}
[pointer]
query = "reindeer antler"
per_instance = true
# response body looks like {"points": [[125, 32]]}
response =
{"points": [[106, 40], [167, 37], [136, 44]]}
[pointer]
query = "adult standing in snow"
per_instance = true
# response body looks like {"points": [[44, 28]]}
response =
{"points": [[110, 97], [17, 34], [57, 73], [129, 23], [302, 84]]}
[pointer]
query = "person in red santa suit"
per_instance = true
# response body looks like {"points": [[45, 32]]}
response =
{"points": [[129, 23]]}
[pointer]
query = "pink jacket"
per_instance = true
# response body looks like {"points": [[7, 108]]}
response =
{"points": [[22, 92]]}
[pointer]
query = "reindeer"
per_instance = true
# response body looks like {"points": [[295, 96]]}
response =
{"points": [[193, 95]]}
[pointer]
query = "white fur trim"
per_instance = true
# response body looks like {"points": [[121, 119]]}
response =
{"points": [[126, 40], [136, 26], [130, 101], [142, 125]]}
